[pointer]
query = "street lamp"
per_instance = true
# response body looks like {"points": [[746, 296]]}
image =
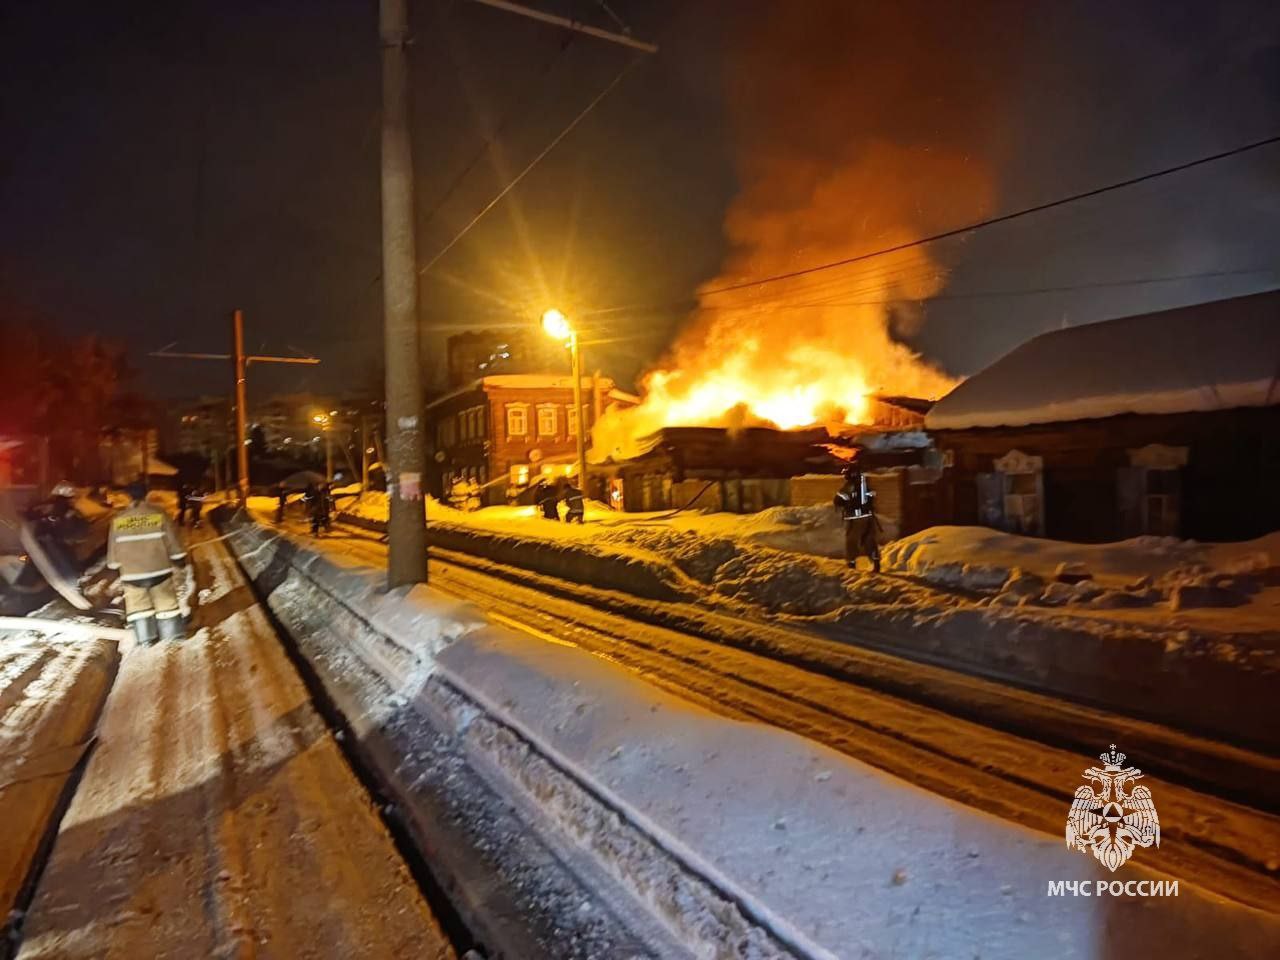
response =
{"points": [[557, 326]]}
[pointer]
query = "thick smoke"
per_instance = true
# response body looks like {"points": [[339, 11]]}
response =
{"points": [[855, 128]]}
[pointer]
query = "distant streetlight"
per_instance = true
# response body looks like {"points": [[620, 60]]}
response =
{"points": [[557, 326]]}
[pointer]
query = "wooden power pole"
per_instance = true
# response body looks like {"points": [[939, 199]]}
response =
{"points": [[239, 362], [407, 523]]}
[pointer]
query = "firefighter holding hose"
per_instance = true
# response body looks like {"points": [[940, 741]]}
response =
{"points": [[143, 546], [855, 502]]}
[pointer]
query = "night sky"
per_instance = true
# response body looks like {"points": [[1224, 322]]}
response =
{"points": [[166, 162]]}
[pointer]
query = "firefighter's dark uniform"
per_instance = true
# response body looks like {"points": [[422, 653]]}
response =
{"points": [[143, 546], [577, 507], [548, 500], [854, 501]]}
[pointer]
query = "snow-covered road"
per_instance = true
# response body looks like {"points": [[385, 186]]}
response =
{"points": [[1227, 847], [217, 817]]}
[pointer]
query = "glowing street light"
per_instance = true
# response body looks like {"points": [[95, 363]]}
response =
{"points": [[557, 326]]}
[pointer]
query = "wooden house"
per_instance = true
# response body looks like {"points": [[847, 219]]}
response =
{"points": [[1165, 423]]}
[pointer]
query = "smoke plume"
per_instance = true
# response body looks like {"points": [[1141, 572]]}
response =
{"points": [[854, 130]]}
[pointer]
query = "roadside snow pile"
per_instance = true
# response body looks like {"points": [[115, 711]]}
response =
{"points": [[1021, 571], [743, 840], [780, 559]]}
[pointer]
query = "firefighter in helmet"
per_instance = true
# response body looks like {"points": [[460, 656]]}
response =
{"points": [[143, 546], [574, 502], [855, 502]]}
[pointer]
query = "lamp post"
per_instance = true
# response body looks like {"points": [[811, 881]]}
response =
{"points": [[557, 327], [326, 422]]}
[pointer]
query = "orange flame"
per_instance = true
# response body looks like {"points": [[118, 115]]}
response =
{"points": [[839, 155]]}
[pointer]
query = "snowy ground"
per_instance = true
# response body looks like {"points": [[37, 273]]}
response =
{"points": [[217, 816], [1206, 667], [829, 856], [1225, 588], [1157, 581], [50, 695]]}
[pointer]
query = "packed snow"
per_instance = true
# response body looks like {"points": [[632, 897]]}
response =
{"points": [[183, 837], [835, 857], [1176, 575], [789, 560]]}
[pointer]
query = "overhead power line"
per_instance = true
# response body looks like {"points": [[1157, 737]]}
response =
{"points": [[1026, 292], [691, 302], [520, 109], [511, 184], [992, 221]]}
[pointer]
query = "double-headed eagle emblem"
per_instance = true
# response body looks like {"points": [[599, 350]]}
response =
{"points": [[1112, 816]]}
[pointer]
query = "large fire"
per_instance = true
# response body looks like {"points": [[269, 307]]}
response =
{"points": [[839, 155], [791, 357]]}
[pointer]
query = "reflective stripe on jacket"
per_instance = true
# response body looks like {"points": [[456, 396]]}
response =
{"points": [[142, 543]]}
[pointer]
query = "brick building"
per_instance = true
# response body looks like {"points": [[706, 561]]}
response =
{"points": [[505, 431]]}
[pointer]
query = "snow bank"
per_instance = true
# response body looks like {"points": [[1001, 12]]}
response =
{"points": [[830, 857], [1207, 666], [1131, 573]]}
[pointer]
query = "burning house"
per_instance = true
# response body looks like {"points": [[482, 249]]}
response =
{"points": [[1165, 423], [752, 468]]}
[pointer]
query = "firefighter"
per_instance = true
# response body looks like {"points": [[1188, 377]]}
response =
{"points": [[282, 497], [194, 504], [143, 546], [184, 497], [57, 525], [458, 493], [318, 500], [574, 502], [855, 502], [472, 502], [548, 500]]}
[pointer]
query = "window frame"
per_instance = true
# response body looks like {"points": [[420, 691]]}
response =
{"points": [[520, 410]]}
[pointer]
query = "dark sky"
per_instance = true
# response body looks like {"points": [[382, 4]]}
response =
{"points": [[165, 162]]}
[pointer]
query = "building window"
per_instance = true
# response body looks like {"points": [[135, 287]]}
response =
{"points": [[547, 420], [517, 419], [478, 429], [571, 419], [446, 432]]}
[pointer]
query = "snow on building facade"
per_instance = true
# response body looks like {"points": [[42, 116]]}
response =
{"points": [[505, 431], [1165, 423]]}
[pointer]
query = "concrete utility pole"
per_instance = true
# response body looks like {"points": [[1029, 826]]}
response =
{"points": [[407, 523], [242, 415], [364, 455], [580, 415]]}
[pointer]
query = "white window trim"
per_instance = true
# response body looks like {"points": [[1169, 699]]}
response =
{"points": [[553, 409], [523, 410]]}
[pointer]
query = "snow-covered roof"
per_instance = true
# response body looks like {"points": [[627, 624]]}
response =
{"points": [[1211, 356]]}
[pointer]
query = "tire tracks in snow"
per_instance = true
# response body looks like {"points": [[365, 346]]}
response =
{"points": [[218, 818]]}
